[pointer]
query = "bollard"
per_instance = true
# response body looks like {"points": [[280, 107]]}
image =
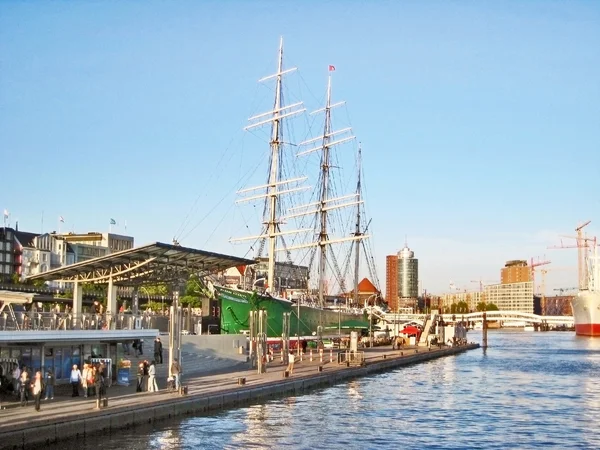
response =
{"points": [[105, 402], [301, 355], [97, 403], [330, 355], [401, 353], [321, 355], [320, 369], [286, 374], [241, 381], [347, 363], [384, 356], [311, 355], [416, 351]]}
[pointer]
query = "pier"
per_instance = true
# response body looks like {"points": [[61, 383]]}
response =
{"points": [[74, 418]]}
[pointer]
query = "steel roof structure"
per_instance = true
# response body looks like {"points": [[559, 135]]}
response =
{"points": [[148, 264]]}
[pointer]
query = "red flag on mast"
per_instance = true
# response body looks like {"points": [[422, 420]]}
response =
{"points": [[331, 68]]}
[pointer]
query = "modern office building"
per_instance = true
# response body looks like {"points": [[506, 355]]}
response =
{"points": [[408, 275], [511, 296], [402, 279]]}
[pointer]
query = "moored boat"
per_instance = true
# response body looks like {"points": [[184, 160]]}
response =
{"points": [[308, 314]]}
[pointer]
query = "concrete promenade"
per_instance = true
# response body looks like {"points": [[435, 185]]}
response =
{"points": [[73, 418]]}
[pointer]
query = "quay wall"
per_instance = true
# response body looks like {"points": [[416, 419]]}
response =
{"points": [[110, 420], [227, 345]]}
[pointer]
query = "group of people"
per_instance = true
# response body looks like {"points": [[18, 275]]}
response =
{"points": [[91, 380], [24, 386]]}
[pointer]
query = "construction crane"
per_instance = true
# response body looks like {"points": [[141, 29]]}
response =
{"points": [[533, 265], [480, 281], [583, 246]]}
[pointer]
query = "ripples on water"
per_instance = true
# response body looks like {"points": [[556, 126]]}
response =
{"points": [[528, 390]]}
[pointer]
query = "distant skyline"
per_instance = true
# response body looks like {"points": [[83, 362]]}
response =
{"points": [[478, 121]]}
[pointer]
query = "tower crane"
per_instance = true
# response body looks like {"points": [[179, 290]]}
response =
{"points": [[533, 265], [583, 245]]}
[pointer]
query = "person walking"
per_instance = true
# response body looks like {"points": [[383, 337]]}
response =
{"points": [[291, 360], [24, 386], [158, 350], [176, 373], [75, 379], [152, 386], [49, 385], [37, 388]]}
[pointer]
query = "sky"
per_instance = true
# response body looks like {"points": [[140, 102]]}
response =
{"points": [[478, 120]]}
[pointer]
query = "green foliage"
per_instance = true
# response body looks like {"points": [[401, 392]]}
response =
{"points": [[483, 306], [39, 283], [155, 289], [191, 301], [155, 306], [15, 278], [459, 308]]}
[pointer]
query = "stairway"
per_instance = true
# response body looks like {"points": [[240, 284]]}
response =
{"points": [[425, 334]]}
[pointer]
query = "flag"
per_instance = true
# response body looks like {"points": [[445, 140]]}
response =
{"points": [[331, 68], [6, 214], [61, 219], [113, 222]]}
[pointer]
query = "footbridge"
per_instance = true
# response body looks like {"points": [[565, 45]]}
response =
{"points": [[500, 316]]}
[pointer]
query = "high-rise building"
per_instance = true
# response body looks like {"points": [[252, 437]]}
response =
{"points": [[402, 279], [515, 271], [391, 281], [408, 275]]}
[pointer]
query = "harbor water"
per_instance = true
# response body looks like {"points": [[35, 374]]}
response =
{"points": [[526, 390]]}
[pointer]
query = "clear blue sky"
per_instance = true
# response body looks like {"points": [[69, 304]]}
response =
{"points": [[479, 120]]}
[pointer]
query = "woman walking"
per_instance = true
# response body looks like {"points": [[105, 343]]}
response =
{"points": [[37, 387], [75, 380]]}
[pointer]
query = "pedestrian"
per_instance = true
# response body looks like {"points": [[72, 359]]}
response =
{"points": [[100, 386], [37, 388], [140, 377], [152, 386], [291, 360], [176, 373], [49, 385], [75, 380], [158, 350], [85, 376], [24, 385]]}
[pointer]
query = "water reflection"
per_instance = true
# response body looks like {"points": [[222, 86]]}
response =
{"points": [[527, 390]]}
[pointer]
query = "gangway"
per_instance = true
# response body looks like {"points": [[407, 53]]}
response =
{"points": [[428, 323]]}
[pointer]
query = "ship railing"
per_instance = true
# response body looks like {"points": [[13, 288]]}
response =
{"points": [[39, 321], [350, 358]]}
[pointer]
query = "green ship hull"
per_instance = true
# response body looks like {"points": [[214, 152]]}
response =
{"points": [[236, 306]]}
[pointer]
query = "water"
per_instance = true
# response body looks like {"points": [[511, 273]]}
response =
{"points": [[527, 390]]}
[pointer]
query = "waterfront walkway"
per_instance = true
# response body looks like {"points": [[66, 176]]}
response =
{"points": [[66, 416]]}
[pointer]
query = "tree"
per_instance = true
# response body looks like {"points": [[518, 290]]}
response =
{"points": [[481, 306], [194, 291], [491, 307]]}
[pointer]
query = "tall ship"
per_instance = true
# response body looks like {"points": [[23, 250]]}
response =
{"points": [[307, 311], [586, 304]]}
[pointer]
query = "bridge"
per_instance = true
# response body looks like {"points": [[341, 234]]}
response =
{"points": [[501, 316]]}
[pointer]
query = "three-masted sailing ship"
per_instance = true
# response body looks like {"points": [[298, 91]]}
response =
{"points": [[308, 315]]}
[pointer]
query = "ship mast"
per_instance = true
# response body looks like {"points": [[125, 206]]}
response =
{"points": [[325, 165], [274, 185], [274, 175], [357, 232], [325, 203]]}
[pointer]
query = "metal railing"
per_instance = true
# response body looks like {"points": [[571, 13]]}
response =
{"points": [[38, 321], [350, 358]]}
